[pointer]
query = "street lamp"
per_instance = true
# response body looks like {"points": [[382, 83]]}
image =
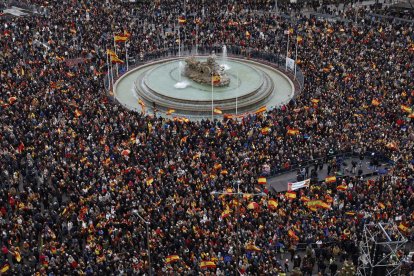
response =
{"points": [[135, 212], [238, 194], [212, 93]]}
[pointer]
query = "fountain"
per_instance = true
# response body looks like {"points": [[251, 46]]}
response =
{"points": [[181, 83], [206, 72], [224, 64], [184, 85]]}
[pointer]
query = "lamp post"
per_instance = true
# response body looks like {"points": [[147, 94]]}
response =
{"points": [[239, 195], [135, 212], [212, 93]]}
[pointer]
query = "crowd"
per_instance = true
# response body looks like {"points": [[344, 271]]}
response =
{"points": [[77, 171]]}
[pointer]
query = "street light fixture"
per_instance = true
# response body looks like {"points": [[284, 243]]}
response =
{"points": [[135, 212]]}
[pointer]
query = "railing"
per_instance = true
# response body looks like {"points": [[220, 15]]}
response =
{"points": [[267, 58]]}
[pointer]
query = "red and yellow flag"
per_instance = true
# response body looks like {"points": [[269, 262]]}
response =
{"points": [[170, 111], [293, 235], [252, 247], [272, 203], [207, 264], [182, 20], [150, 181], [262, 180], [290, 195], [4, 268], [261, 110], [217, 110], [375, 102], [293, 131], [330, 179], [172, 258], [120, 38], [406, 108], [115, 59], [403, 227], [265, 130], [342, 187]]}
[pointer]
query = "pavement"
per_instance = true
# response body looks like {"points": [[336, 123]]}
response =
{"points": [[279, 183]]}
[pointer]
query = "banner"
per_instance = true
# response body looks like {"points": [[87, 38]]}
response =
{"points": [[298, 185], [290, 63]]}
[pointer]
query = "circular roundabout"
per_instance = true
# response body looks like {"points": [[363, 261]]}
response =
{"points": [[162, 85]]}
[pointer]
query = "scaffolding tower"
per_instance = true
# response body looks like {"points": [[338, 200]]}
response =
{"points": [[380, 250]]}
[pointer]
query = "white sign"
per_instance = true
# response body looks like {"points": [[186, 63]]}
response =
{"points": [[298, 185], [290, 63]]}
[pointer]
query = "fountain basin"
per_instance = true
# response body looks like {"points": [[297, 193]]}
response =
{"points": [[253, 85]]}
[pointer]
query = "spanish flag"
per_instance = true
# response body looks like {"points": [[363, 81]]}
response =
{"points": [[77, 113], [120, 38], [350, 213], [290, 195], [266, 130], [170, 111], [342, 187], [403, 227], [252, 205], [17, 256], [330, 179], [375, 102], [299, 39], [127, 34], [304, 198], [115, 59], [261, 110], [248, 35], [293, 131], [262, 180], [110, 53], [315, 101], [141, 103], [217, 111], [406, 108], [324, 205], [217, 166], [411, 116], [172, 258], [224, 172], [207, 264], [381, 205], [293, 235], [215, 79], [272, 203], [150, 181], [252, 247], [5, 268], [182, 20], [225, 214]]}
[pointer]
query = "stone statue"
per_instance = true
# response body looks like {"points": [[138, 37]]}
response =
{"points": [[206, 72]]}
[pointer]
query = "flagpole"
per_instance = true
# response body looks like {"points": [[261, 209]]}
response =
{"points": [[126, 56], [287, 49], [179, 41], [212, 99], [237, 89], [112, 74], [117, 55], [296, 59], [107, 65], [196, 39]]}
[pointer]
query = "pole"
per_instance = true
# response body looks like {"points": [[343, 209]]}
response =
{"points": [[179, 41], [212, 97], [117, 55], [237, 89], [287, 50], [112, 75], [196, 39], [237, 225], [149, 251], [296, 58], [107, 65], [126, 56]]}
